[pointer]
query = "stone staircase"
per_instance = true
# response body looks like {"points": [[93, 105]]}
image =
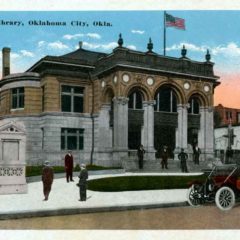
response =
{"points": [[131, 165]]}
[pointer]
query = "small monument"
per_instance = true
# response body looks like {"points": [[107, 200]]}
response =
{"points": [[12, 159]]}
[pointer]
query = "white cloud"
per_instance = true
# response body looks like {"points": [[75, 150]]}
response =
{"points": [[109, 46], [225, 56], [57, 45], [229, 50], [14, 55], [132, 47], [80, 35], [105, 47], [26, 53], [41, 43], [93, 35], [74, 36], [188, 46], [138, 32]]}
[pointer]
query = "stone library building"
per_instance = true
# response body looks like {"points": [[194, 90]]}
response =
{"points": [[102, 106]]}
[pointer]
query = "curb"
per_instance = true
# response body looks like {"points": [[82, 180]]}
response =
{"points": [[73, 211]]}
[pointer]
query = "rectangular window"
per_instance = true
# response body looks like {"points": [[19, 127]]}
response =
{"points": [[238, 117], [72, 99], [72, 139], [18, 98]]}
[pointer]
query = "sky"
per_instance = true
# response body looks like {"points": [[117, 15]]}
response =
{"points": [[217, 31]]}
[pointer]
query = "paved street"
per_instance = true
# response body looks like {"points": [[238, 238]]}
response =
{"points": [[205, 217]]}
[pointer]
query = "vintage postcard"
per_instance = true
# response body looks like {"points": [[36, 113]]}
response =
{"points": [[119, 121]]}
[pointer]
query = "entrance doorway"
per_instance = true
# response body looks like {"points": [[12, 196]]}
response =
{"points": [[134, 136], [164, 135]]}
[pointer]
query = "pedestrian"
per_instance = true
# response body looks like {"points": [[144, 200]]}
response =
{"points": [[83, 176], [196, 154], [47, 179], [182, 156], [140, 153], [165, 157], [69, 166]]}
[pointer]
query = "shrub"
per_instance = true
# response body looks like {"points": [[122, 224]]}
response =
{"points": [[136, 183]]}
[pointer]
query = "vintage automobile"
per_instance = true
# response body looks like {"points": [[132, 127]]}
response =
{"points": [[222, 185]]}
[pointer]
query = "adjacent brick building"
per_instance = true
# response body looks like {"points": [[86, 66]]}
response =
{"points": [[228, 115]]}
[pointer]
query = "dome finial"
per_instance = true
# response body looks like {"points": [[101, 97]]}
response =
{"points": [[150, 45], [184, 52], [120, 40], [208, 56]]}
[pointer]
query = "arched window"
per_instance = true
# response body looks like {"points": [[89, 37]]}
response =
{"points": [[135, 100], [166, 100], [193, 105]]}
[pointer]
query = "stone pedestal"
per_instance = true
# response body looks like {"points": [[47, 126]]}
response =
{"points": [[12, 159]]}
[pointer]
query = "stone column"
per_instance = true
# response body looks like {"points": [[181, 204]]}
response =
{"points": [[209, 133], [105, 133], [120, 132], [205, 137], [181, 131], [201, 133], [148, 130]]}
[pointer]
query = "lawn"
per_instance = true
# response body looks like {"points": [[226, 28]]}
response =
{"points": [[37, 170], [136, 183]]}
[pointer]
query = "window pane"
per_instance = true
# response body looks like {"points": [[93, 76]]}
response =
{"points": [[130, 102], [14, 90], [66, 103], [78, 104], [72, 142], [80, 142], [71, 130], [66, 89], [195, 106], [138, 100], [62, 142], [174, 103], [21, 90], [21, 101], [165, 100], [70, 136], [78, 90], [14, 101]]}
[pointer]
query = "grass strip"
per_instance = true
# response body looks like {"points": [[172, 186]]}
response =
{"points": [[137, 183]]}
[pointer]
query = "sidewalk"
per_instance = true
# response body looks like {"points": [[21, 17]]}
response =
{"points": [[63, 199]]}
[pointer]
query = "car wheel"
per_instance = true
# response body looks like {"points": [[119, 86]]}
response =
{"points": [[193, 197], [225, 198]]}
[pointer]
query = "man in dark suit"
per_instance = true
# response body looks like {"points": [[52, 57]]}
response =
{"points": [[165, 158], [196, 154], [182, 156], [69, 166], [140, 153], [83, 176], [47, 179]]}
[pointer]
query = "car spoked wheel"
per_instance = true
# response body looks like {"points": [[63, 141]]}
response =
{"points": [[225, 198], [193, 197]]}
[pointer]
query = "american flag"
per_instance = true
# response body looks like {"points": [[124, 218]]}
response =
{"points": [[176, 22]]}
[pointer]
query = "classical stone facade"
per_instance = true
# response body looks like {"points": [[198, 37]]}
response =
{"points": [[103, 106]]}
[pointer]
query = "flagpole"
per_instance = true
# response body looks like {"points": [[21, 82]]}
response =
{"points": [[164, 34]]}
